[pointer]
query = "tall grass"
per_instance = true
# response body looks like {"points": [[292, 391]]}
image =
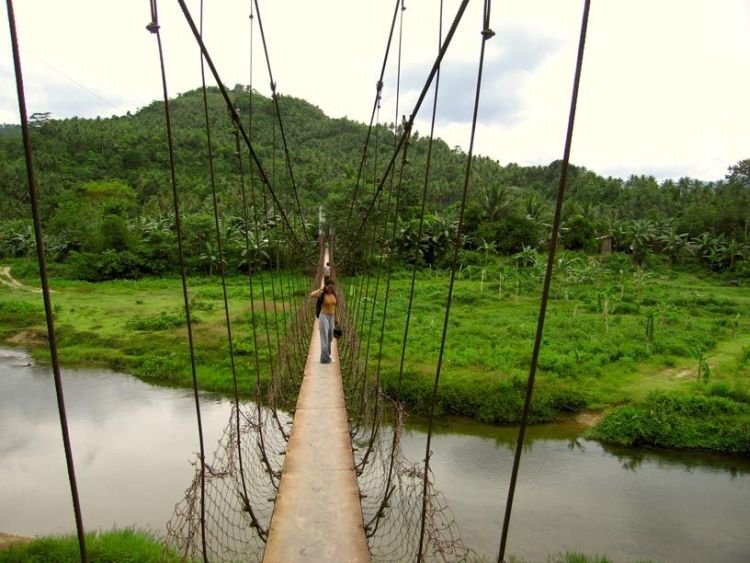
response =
{"points": [[117, 546], [613, 334]]}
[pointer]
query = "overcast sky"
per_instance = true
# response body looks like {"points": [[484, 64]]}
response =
{"points": [[664, 91]]}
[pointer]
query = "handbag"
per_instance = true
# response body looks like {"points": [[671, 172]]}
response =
{"points": [[337, 332]]}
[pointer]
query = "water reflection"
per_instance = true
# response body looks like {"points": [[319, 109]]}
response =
{"points": [[573, 494], [132, 442], [133, 445]]}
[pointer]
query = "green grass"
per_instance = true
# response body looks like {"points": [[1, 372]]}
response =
{"points": [[139, 327], [570, 557], [121, 546], [683, 421], [613, 336], [596, 352]]}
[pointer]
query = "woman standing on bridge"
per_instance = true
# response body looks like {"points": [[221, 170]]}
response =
{"points": [[326, 320]]}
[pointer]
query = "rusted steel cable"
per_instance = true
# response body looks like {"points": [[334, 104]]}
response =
{"points": [[410, 122], [236, 118], [410, 302], [222, 273], [486, 35], [153, 27], [547, 281], [42, 261], [256, 230], [275, 98]]}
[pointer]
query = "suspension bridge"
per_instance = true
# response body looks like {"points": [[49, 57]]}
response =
{"points": [[323, 480], [318, 516]]}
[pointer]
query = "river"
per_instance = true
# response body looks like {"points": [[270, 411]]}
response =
{"points": [[134, 442]]}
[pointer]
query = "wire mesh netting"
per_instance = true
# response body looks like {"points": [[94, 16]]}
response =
{"points": [[241, 481], [243, 475]]}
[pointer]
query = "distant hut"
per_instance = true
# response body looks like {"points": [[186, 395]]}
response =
{"points": [[605, 244]]}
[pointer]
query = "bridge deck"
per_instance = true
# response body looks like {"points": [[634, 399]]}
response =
{"points": [[318, 515]]}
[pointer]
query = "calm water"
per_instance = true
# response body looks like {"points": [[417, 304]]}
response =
{"points": [[133, 445], [132, 442], [574, 495]]}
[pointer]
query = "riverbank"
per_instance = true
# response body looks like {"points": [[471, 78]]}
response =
{"points": [[574, 494], [609, 343], [115, 545], [6, 540]]}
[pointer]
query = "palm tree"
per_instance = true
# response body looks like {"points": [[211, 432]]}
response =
{"points": [[734, 250], [527, 257], [673, 244], [210, 255], [640, 235], [499, 202]]}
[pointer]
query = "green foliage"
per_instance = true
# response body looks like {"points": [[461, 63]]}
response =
{"points": [[580, 234], [163, 321], [583, 363], [673, 420], [16, 306], [104, 181], [121, 546], [486, 400], [109, 265], [165, 367]]}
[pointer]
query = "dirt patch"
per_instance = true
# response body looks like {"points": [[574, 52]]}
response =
{"points": [[28, 338], [8, 539], [588, 418], [685, 374], [10, 281]]}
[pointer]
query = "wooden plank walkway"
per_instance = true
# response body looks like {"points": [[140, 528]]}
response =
{"points": [[318, 514]]}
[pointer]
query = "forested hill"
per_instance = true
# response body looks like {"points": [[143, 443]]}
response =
{"points": [[92, 171]]}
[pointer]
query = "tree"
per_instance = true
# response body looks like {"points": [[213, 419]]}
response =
{"points": [[739, 173], [639, 236], [675, 245]]}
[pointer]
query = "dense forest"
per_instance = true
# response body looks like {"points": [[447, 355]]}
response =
{"points": [[106, 195]]}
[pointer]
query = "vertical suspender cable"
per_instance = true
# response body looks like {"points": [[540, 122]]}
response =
{"points": [[220, 252], [250, 272], [410, 123], [375, 108], [487, 33], [153, 27], [389, 259], [39, 236], [407, 322], [547, 282], [278, 115]]}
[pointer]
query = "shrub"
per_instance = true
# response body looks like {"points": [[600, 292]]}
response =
{"points": [[109, 265], [562, 365], [17, 306], [167, 368], [680, 421], [116, 545], [158, 322]]}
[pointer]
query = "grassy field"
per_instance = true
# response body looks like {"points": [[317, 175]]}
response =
{"points": [[614, 336], [139, 326], [118, 545]]}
